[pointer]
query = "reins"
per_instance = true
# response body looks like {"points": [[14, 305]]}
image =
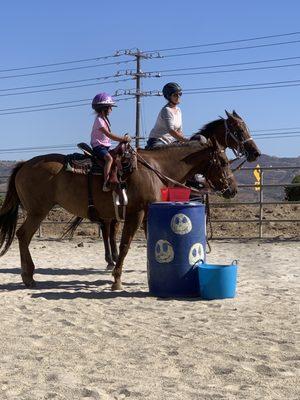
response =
{"points": [[165, 179]]}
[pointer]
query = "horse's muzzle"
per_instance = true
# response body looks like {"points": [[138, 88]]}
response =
{"points": [[229, 193], [252, 155]]}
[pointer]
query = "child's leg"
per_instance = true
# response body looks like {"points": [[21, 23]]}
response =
{"points": [[108, 163]]}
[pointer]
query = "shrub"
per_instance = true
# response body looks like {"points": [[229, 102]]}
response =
{"points": [[293, 193]]}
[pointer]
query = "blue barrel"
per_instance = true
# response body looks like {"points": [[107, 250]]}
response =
{"points": [[217, 281], [175, 244]]}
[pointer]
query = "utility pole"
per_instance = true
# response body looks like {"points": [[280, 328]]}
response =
{"points": [[137, 75], [138, 99]]}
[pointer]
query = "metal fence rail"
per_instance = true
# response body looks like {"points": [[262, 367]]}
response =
{"points": [[260, 221], [260, 203]]}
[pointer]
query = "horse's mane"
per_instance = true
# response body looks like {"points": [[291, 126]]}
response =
{"points": [[207, 129]]}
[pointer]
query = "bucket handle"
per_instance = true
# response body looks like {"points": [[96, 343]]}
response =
{"points": [[233, 262], [197, 262]]}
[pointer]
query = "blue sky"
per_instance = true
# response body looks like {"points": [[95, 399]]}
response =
{"points": [[47, 32]]}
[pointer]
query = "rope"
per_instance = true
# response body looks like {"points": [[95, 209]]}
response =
{"points": [[208, 222]]}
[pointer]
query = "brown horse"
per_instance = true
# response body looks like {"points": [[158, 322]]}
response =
{"points": [[230, 133], [42, 182]]}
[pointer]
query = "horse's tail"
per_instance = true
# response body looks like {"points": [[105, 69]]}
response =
{"points": [[71, 227], [9, 212], [73, 224]]}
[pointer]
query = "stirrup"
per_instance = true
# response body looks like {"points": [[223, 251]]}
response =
{"points": [[122, 199]]}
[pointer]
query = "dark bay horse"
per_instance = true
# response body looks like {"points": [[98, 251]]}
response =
{"points": [[230, 133], [42, 182]]}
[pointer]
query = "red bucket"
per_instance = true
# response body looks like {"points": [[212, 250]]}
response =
{"points": [[175, 194]]}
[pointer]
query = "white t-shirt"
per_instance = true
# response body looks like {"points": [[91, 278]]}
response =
{"points": [[166, 121]]}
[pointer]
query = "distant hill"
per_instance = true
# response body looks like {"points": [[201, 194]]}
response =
{"points": [[5, 170], [243, 177], [270, 177]]}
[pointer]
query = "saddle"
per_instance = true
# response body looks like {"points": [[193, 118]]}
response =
{"points": [[124, 162]]}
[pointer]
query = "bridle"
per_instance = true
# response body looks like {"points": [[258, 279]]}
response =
{"points": [[225, 175], [233, 132]]}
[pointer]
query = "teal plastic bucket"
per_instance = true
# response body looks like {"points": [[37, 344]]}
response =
{"points": [[217, 281]]}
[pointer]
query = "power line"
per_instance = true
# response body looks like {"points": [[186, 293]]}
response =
{"points": [[243, 89], [117, 54], [59, 83], [63, 88], [65, 69], [225, 42], [43, 105], [56, 108], [276, 137], [215, 89], [232, 49], [59, 63], [224, 65], [276, 129], [124, 80], [232, 70], [245, 85], [148, 74], [233, 88]]}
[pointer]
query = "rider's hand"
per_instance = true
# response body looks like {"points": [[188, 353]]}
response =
{"points": [[127, 138]]}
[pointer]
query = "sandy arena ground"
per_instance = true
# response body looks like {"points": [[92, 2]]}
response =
{"points": [[72, 338]]}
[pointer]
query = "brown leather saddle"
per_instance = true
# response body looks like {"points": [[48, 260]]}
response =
{"points": [[124, 162]]}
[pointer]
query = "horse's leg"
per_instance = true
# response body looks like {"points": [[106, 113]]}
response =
{"points": [[132, 223], [144, 226], [114, 228], [105, 229], [24, 235]]}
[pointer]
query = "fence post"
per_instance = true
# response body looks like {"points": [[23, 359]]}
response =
{"points": [[261, 199]]}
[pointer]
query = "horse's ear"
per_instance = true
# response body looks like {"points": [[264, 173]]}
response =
{"points": [[236, 114], [228, 114]]}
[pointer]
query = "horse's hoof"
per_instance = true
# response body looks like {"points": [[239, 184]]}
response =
{"points": [[28, 281], [31, 284], [110, 267], [117, 286]]}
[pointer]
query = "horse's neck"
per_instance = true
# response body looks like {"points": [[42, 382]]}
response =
{"points": [[218, 135], [215, 130], [178, 163]]}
